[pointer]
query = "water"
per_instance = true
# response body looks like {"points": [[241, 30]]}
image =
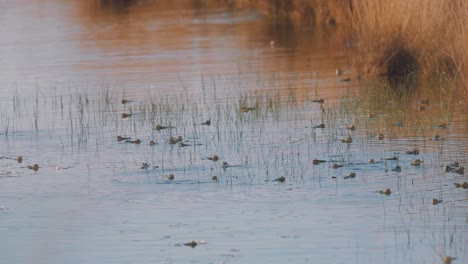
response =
{"points": [[67, 66]]}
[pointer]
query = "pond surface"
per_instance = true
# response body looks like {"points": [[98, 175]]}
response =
{"points": [[66, 67]]}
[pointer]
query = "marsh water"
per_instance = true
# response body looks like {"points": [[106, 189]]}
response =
{"points": [[65, 68]]}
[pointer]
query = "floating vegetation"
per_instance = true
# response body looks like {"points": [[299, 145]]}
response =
{"points": [[191, 244], [171, 140], [175, 140], [182, 144], [280, 179], [213, 158], [449, 168], [34, 167], [159, 127], [459, 170], [416, 162], [136, 141], [125, 101], [225, 165], [448, 260], [385, 191], [347, 139], [318, 161], [120, 138], [352, 175], [126, 115], [463, 185], [206, 123], [336, 166]]}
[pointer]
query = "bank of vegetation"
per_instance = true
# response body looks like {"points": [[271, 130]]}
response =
{"points": [[394, 39]]}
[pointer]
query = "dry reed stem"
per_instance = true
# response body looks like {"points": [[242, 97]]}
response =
{"points": [[416, 36], [395, 39]]}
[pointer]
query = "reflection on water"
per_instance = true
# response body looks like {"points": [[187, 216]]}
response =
{"points": [[68, 65], [152, 45], [118, 6]]}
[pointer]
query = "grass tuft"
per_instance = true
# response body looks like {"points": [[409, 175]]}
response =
{"points": [[401, 39]]}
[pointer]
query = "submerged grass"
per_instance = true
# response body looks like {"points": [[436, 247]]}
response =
{"points": [[261, 135], [273, 143]]}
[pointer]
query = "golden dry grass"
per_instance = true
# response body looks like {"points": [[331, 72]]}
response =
{"points": [[395, 39], [399, 38]]}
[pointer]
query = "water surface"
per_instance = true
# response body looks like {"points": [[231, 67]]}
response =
{"points": [[66, 68]]}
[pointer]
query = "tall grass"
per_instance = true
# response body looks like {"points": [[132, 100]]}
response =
{"points": [[401, 38], [394, 39]]}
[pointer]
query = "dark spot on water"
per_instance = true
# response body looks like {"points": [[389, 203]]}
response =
{"points": [[191, 244]]}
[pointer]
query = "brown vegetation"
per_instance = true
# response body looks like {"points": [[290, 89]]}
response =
{"points": [[400, 39], [395, 39]]}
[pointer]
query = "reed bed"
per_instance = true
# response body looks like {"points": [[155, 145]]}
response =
{"points": [[397, 40], [400, 41]]}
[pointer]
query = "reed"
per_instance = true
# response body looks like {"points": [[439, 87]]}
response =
{"points": [[401, 39], [397, 40]]}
